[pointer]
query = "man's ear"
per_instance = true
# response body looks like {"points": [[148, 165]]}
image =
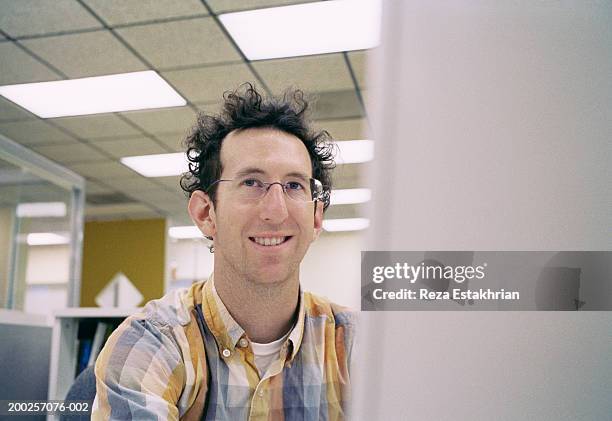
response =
{"points": [[202, 212], [318, 219]]}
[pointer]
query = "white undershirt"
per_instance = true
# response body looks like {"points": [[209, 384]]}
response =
{"points": [[265, 354]]}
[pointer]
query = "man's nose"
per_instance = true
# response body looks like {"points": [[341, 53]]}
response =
{"points": [[274, 205]]}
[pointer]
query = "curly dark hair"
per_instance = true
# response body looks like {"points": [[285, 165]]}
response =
{"points": [[243, 109]]}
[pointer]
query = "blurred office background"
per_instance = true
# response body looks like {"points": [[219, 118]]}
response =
{"points": [[131, 212]]}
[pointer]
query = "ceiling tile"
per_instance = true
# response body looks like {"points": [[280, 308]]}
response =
{"points": [[97, 126], [207, 84], [155, 196], [17, 66], [118, 12], [102, 170], [11, 111], [34, 132], [92, 188], [132, 184], [173, 140], [120, 211], [171, 183], [176, 213], [335, 105], [358, 60], [129, 146], [311, 74], [43, 192], [214, 106], [348, 176], [344, 211], [349, 129], [34, 17], [183, 43], [220, 6], [9, 195], [177, 119], [86, 54], [67, 154]]}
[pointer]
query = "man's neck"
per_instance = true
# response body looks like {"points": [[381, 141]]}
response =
{"points": [[265, 312]]}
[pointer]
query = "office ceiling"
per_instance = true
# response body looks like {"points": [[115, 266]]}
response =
{"points": [[183, 40]]}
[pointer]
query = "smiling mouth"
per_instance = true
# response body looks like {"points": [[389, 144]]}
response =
{"points": [[269, 241]]}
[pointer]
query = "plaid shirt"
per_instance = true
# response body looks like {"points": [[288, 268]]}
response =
{"points": [[184, 356]]}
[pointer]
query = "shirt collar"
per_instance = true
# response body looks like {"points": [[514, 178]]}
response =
{"points": [[228, 332], [297, 333], [225, 329]]}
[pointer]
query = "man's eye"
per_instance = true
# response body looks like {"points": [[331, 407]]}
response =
{"points": [[251, 182], [294, 185]]}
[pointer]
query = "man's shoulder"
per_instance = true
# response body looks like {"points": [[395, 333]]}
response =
{"points": [[318, 306], [173, 309]]}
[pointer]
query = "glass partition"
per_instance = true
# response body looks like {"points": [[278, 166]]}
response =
{"points": [[41, 229]]}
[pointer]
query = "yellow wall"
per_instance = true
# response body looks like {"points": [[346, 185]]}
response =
{"points": [[136, 248]]}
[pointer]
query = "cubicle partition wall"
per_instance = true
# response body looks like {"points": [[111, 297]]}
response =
{"points": [[41, 230], [493, 133]]}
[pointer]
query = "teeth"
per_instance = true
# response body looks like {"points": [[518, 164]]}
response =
{"points": [[269, 241]]}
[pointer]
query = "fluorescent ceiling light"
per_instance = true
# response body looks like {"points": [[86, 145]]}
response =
{"points": [[94, 95], [354, 151], [181, 233], [346, 224], [350, 196], [41, 210], [47, 239], [159, 165], [168, 164], [305, 29]]}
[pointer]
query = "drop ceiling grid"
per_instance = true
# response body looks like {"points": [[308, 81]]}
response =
{"points": [[35, 17], [70, 154], [94, 126], [122, 12], [35, 132], [85, 54], [207, 84], [201, 82], [183, 43], [225, 6], [342, 129], [11, 112], [120, 147], [20, 67], [317, 73], [163, 120]]}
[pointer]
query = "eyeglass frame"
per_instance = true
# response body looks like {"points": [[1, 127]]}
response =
{"points": [[323, 196]]}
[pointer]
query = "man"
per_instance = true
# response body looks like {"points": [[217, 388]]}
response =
{"points": [[248, 343]]}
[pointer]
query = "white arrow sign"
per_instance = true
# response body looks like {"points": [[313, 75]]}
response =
{"points": [[119, 292]]}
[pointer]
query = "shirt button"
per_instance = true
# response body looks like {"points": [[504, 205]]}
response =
{"points": [[243, 343], [226, 353], [260, 393]]}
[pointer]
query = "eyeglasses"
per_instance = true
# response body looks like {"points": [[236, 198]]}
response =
{"points": [[252, 189]]}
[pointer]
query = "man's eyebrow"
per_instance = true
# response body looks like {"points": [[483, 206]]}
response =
{"points": [[254, 170], [298, 175], [250, 171]]}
